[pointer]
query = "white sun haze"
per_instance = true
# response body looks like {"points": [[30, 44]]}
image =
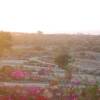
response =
{"points": [[50, 15]]}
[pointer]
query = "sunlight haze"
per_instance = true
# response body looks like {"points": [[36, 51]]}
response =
{"points": [[50, 15]]}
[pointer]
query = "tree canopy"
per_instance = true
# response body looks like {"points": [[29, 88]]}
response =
{"points": [[62, 60]]}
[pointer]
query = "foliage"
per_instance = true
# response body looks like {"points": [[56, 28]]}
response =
{"points": [[63, 60], [54, 92], [5, 41]]}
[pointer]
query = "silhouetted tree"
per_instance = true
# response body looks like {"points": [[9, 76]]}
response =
{"points": [[39, 32]]}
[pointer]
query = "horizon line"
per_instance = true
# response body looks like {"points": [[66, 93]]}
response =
{"points": [[69, 33]]}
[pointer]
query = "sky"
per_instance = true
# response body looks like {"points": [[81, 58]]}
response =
{"points": [[50, 16]]}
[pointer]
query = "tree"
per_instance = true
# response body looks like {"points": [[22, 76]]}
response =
{"points": [[64, 61], [5, 42], [39, 32]]}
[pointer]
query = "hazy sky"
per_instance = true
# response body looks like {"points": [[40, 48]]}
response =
{"points": [[50, 15]]}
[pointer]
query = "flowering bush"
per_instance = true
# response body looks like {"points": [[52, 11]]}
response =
{"points": [[19, 74], [49, 93], [70, 90]]}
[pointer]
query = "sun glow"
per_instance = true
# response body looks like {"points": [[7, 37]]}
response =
{"points": [[50, 15]]}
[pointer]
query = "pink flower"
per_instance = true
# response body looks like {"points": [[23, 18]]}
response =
{"points": [[34, 90], [75, 82], [19, 74]]}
